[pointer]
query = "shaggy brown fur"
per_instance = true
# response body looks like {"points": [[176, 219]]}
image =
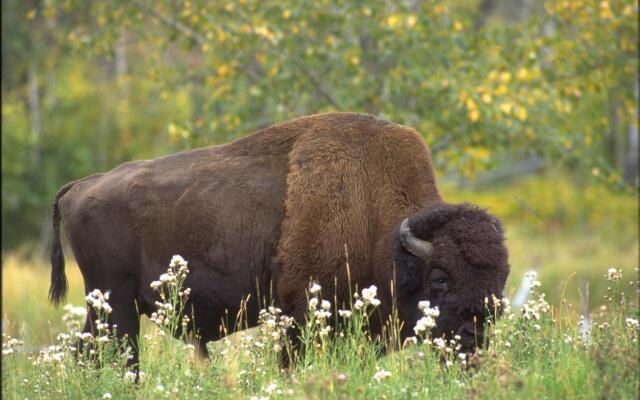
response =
{"points": [[267, 213]]}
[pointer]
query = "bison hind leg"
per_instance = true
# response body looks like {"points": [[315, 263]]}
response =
{"points": [[123, 324]]}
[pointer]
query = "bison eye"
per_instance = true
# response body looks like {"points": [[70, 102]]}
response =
{"points": [[439, 284], [438, 280]]}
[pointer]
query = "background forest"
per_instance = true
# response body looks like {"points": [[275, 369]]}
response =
{"points": [[530, 109], [497, 88]]}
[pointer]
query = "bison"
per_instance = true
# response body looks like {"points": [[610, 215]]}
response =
{"points": [[266, 214]]}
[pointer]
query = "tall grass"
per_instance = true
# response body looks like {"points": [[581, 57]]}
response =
{"points": [[564, 262], [536, 352]]}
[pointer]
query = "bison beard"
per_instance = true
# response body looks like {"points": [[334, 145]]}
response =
{"points": [[265, 214]]}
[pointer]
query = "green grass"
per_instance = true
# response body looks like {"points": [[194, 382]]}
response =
{"points": [[534, 357]]}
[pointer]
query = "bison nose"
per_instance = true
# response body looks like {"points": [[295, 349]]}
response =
{"points": [[470, 336]]}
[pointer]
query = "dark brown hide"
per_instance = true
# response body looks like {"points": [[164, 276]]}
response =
{"points": [[267, 213]]}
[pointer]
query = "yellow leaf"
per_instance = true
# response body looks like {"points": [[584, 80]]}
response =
{"points": [[486, 98], [628, 10], [286, 14], [222, 70], [411, 21], [500, 90], [588, 141], [31, 14], [471, 105], [505, 77], [474, 115], [440, 9], [530, 134], [392, 20], [605, 10], [506, 107], [523, 74], [521, 113], [457, 26]]}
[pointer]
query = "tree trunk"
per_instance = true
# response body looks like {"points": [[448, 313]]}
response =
{"points": [[34, 111], [631, 164]]}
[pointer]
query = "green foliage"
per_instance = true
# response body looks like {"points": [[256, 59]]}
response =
{"points": [[89, 85], [557, 204]]}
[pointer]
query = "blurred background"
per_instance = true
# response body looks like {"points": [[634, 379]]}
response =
{"points": [[529, 108]]}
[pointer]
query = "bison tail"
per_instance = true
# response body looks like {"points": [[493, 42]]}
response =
{"points": [[59, 285]]}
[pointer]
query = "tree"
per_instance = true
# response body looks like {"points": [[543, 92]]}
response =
{"points": [[485, 83]]}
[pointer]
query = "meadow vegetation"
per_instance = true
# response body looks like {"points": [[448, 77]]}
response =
{"points": [[537, 351]]}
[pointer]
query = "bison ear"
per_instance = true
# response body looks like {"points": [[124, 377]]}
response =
{"points": [[418, 247]]}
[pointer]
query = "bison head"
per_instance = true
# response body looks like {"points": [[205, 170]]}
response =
{"points": [[453, 256]]}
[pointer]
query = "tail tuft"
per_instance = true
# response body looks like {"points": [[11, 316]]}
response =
{"points": [[58, 289], [59, 285]]}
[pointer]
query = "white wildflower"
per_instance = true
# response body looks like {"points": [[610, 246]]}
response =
{"points": [[614, 274], [177, 261], [410, 340], [358, 304], [326, 305], [345, 313], [313, 303], [381, 375], [532, 278], [106, 395], [315, 288], [271, 388], [63, 337], [129, 376], [423, 324], [369, 296], [440, 343]]}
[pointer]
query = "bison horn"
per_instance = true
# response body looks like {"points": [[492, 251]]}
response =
{"points": [[417, 247]]}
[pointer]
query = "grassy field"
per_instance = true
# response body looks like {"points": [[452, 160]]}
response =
{"points": [[536, 352]]}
